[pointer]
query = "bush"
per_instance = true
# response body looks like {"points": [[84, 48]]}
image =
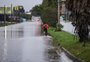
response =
{"points": [[58, 27]]}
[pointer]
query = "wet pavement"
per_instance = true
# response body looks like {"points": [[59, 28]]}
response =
{"points": [[23, 43]]}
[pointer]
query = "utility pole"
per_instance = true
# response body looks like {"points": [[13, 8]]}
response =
{"points": [[4, 14], [5, 43], [11, 13], [59, 11]]}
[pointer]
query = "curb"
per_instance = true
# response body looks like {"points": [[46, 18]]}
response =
{"points": [[71, 56]]}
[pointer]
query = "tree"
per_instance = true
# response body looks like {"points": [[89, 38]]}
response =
{"points": [[37, 10], [48, 11], [80, 16], [26, 16]]}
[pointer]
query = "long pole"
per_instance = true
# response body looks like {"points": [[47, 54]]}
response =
{"points": [[5, 43], [11, 14], [58, 11], [4, 14]]}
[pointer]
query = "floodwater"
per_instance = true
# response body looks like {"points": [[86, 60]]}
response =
{"points": [[68, 27], [24, 43]]}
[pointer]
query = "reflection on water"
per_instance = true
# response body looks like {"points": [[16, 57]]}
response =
{"points": [[2, 40], [14, 33], [14, 50], [50, 52], [52, 55], [2, 32], [33, 49], [23, 43], [64, 58], [22, 30]]}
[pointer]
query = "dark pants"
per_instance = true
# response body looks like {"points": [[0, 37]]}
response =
{"points": [[45, 30]]}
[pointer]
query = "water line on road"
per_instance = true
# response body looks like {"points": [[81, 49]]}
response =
{"points": [[55, 54], [64, 58], [23, 44], [5, 46], [5, 32]]}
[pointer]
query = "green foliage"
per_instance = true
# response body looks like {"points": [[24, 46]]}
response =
{"points": [[70, 42], [48, 11], [26, 16], [37, 10], [80, 16], [59, 26]]}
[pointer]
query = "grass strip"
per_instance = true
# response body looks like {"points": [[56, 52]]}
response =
{"points": [[71, 43]]}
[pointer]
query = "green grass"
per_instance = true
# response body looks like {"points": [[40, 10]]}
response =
{"points": [[71, 43]]}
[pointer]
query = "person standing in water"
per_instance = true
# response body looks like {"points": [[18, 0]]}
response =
{"points": [[45, 28]]}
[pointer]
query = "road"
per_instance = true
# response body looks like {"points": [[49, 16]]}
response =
{"points": [[24, 43]]}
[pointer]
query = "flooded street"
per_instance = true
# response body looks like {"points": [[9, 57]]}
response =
{"points": [[68, 27], [23, 43]]}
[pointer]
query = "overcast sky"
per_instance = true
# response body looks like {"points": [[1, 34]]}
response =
{"points": [[28, 4]]}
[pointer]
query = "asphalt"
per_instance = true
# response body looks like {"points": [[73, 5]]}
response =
{"points": [[23, 43]]}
